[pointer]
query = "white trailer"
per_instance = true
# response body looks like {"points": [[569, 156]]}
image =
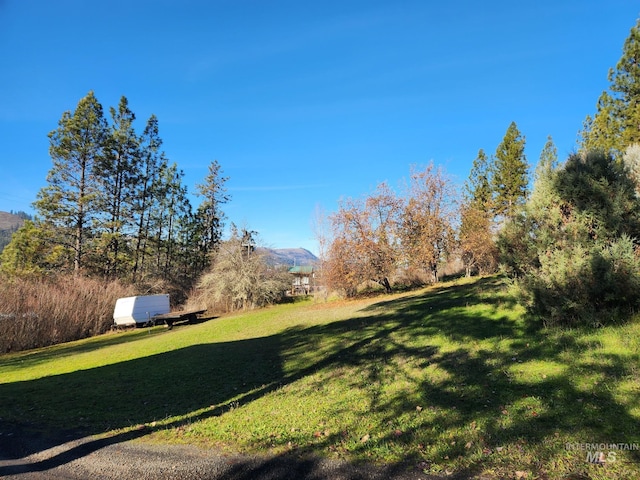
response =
{"points": [[140, 310]]}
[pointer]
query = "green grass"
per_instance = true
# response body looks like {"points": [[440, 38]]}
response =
{"points": [[451, 378]]}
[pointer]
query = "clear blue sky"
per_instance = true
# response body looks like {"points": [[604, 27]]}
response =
{"points": [[303, 103]]}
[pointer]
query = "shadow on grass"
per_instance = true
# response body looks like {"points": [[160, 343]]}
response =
{"points": [[481, 390]]}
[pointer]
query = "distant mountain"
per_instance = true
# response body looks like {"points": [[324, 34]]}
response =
{"points": [[9, 221], [288, 256]]}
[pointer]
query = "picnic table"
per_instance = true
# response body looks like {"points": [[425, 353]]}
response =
{"points": [[172, 317]]}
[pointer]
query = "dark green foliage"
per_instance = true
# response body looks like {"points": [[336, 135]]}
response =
{"points": [[114, 206], [68, 203], [209, 214], [577, 285], [510, 174], [616, 123], [597, 189], [517, 253], [478, 187], [572, 251], [117, 175]]}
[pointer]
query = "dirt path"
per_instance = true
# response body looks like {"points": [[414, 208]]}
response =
{"points": [[34, 456]]}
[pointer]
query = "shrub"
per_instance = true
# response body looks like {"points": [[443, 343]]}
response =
{"points": [[575, 285], [572, 251], [239, 279]]}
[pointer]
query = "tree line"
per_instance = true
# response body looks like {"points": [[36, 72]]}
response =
{"points": [[115, 207], [386, 236], [571, 245], [573, 250]]}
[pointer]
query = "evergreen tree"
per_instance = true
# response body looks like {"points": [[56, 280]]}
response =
{"points": [[114, 207], [601, 132], [572, 251], [146, 197], [616, 123], [476, 244], [69, 202], [510, 173], [174, 206], [548, 158], [210, 216], [117, 174], [33, 252], [478, 186], [625, 86]]}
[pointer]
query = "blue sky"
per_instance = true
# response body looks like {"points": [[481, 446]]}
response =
{"points": [[304, 103]]}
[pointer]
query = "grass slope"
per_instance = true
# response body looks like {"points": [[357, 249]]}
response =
{"points": [[450, 378]]}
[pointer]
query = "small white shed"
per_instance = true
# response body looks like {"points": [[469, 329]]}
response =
{"points": [[139, 310]]}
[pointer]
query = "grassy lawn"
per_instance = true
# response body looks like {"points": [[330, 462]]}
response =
{"points": [[449, 378]]}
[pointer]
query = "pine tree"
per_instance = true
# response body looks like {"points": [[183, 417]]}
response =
{"points": [[69, 202], [152, 162], [117, 173], [510, 171], [573, 251], [548, 158], [601, 132], [175, 212], [616, 123], [475, 236], [113, 206], [625, 85], [210, 216], [478, 186]]}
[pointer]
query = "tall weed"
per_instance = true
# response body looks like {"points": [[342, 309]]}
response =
{"points": [[40, 312]]}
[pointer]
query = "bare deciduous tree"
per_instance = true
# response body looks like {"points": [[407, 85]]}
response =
{"points": [[477, 246], [365, 245], [426, 228], [239, 277]]}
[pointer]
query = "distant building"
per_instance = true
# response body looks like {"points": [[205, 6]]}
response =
{"points": [[303, 282]]}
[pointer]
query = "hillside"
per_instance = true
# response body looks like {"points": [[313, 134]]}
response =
{"points": [[288, 256], [9, 221]]}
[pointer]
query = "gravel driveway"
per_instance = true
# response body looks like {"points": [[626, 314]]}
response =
{"points": [[35, 456]]}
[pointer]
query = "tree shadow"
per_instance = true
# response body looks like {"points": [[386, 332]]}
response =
{"points": [[483, 386], [197, 382]]}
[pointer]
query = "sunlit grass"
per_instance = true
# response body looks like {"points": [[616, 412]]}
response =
{"points": [[451, 378]]}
